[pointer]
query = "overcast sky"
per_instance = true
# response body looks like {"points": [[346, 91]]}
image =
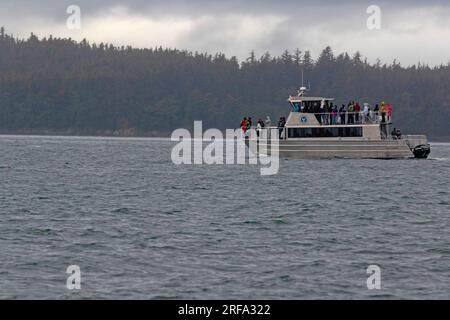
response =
{"points": [[411, 31]]}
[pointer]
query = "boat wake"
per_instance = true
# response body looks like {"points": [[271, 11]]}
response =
{"points": [[440, 159]]}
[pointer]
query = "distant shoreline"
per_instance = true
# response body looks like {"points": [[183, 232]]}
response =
{"points": [[74, 133]]}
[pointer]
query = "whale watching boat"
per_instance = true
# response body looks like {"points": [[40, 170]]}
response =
{"points": [[308, 133]]}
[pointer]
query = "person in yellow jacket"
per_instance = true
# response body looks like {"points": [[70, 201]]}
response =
{"points": [[383, 112]]}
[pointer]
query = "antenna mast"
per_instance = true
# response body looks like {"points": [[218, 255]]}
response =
{"points": [[302, 89], [302, 78]]}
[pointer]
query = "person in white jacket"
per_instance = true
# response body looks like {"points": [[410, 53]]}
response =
{"points": [[366, 112]]}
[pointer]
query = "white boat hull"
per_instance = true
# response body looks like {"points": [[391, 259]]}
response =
{"points": [[344, 149]]}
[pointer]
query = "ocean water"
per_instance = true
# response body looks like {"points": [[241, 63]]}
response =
{"points": [[140, 227]]}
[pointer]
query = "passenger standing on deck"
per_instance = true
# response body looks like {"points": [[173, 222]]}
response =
{"points": [[281, 125], [249, 124], [317, 112], [268, 121], [357, 112], [259, 127], [261, 122], [366, 112], [244, 125], [389, 112], [334, 112], [383, 112], [376, 112], [329, 111], [342, 112], [351, 109], [323, 110]]}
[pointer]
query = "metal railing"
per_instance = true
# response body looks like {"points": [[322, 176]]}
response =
{"points": [[338, 119], [346, 118]]}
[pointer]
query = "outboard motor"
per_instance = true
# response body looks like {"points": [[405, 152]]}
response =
{"points": [[422, 151]]}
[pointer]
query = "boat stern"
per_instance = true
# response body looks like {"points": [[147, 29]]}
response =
{"points": [[419, 145]]}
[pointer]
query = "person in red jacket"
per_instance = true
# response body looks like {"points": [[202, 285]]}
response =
{"points": [[357, 112], [389, 111], [244, 124]]}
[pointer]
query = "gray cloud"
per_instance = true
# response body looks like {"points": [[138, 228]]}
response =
{"points": [[411, 30], [52, 9]]}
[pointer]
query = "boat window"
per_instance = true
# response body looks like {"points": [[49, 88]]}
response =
{"points": [[296, 106], [324, 132], [310, 106]]}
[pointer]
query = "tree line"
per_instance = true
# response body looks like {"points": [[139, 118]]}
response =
{"points": [[58, 85]]}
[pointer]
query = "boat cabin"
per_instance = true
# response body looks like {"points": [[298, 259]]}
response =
{"points": [[309, 119]]}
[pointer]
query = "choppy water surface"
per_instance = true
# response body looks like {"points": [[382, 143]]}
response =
{"points": [[140, 227]]}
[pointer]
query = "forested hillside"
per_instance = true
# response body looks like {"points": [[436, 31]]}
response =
{"points": [[54, 85]]}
